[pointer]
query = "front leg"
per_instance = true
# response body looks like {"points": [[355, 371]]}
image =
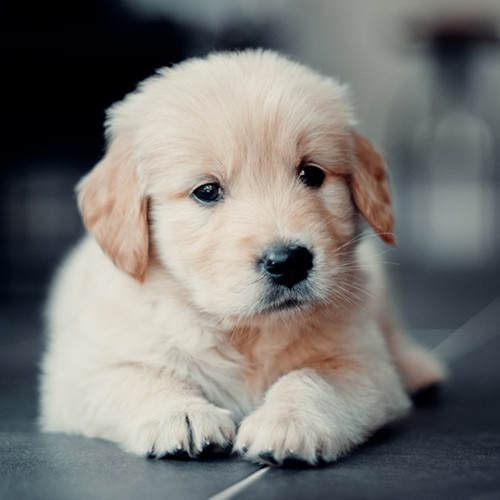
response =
{"points": [[147, 411], [168, 417], [311, 417]]}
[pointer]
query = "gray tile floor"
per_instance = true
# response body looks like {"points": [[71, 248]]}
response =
{"points": [[449, 448]]}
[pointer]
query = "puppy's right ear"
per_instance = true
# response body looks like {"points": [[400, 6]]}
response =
{"points": [[114, 210]]}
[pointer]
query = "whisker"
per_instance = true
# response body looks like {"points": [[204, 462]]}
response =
{"points": [[356, 239]]}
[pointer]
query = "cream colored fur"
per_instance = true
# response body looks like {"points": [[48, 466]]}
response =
{"points": [[163, 334]]}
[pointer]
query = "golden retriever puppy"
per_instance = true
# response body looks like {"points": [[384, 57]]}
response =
{"points": [[223, 298]]}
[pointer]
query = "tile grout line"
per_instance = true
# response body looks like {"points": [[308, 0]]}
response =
{"points": [[238, 487], [471, 335]]}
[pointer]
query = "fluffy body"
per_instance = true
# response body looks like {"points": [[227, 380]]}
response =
{"points": [[164, 334]]}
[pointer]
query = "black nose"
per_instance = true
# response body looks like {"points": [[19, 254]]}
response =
{"points": [[287, 265]]}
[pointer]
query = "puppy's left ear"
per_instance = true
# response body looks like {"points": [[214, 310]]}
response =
{"points": [[370, 189], [114, 210]]}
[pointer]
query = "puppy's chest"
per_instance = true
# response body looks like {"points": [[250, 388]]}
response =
{"points": [[268, 354]]}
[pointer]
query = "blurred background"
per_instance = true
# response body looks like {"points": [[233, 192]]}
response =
{"points": [[425, 79]]}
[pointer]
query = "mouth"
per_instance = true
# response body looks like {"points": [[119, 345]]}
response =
{"points": [[286, 305], [287, 300]]}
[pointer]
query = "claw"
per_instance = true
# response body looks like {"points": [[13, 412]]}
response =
{"points": [[212, 449], [268, 457], [209, 449], [178, 453]]}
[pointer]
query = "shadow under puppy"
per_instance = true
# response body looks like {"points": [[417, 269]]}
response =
{"points": [[224, 279]]}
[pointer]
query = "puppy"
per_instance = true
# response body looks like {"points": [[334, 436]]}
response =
{"points": [[224, 297]]}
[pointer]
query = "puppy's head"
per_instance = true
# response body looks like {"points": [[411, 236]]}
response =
{"points": [[245, 175]]}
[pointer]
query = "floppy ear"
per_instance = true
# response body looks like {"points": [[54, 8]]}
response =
{"points": [[370, 189], [114, 210]]}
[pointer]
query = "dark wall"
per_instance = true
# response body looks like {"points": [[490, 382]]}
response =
{"points": [[63, 64]]}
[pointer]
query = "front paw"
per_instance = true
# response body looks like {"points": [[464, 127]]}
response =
{"points": [[290, 437], [184, 431]]}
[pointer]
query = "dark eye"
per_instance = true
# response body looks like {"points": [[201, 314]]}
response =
{"points": [[311, 176], [208, 193]]}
